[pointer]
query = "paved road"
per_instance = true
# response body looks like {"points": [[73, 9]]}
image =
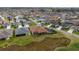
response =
{"points": [[68, 34]]}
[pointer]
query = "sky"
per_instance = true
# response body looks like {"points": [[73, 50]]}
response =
{"points": [[39, 3]]}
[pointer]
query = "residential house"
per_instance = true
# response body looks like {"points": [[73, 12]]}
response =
{"points": [[21, 31], [76, 28], [5, 24], [6, 33], [74, 22], [71, 17], [66, 25], [41, 19], [38, 30], [50, 30], [55, 20], [69, 23], [10, 17]]}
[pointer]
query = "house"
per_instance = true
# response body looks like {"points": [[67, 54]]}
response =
{"points": [[21, 31], [20, 26], [66, 25], [38, 30], [40, 19], [10, 17], [1, 22], [59, 28], [51, 31], [17, 17], [1, 18], [76, 28], [17, 20], [6, 33], [73, 22], [39, 24], [24, 21], [5, 24], [9, 27], [26, 26], [54, 20], [71, 17]]}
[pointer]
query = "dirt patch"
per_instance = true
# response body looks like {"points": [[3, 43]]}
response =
{"points": [[48, 44]]}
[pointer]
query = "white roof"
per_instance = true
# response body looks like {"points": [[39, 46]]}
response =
{"points": [[17, 17], [17, 20], [59, 28], [26, 25], [20, 26], [8, 27], [0, 16], [39, 24]]}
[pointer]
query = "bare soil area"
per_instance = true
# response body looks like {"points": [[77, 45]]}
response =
{"points": [[48, 44]]}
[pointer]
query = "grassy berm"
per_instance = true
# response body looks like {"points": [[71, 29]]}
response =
{"points": [[47, 42]]}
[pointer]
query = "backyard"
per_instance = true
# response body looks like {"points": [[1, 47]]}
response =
{"points": [[74, 44], [35, 43]]}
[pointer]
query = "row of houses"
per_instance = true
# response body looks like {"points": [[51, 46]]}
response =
{"points": [[58, 21], [23, 28], [7, 33]]}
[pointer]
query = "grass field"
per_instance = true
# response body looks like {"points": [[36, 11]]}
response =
{"points": [[32, 43], [54, 40], [21, 41], [76, 33], [73, 46]]}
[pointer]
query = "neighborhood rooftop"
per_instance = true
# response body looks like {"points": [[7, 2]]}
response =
{"points": [[20, 21], [38, 29], [6, 33]]}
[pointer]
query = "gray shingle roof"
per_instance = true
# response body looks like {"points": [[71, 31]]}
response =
{"points": [[21, 31], [5, 33]]}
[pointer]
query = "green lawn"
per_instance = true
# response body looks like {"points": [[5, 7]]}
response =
{"points": [[21, 41], [32, 24], [14, 27], [73, 46], [1, 27], [24, 40], [76, 33]]}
